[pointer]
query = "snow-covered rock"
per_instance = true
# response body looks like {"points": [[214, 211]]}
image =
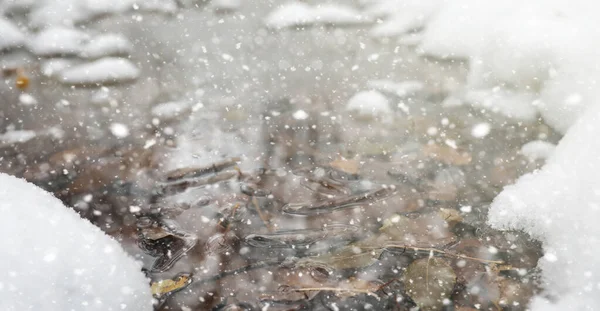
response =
{"points": [[516, 105], [54, 66], [158, 6], [107, 45], [10, 35], [103, 71], [481, 130], [27, 99], [58, 40], [400, 89], [289, 14], [369, 103], [48, 13], [338, 14], [226, 5], [17, 136], [15, 7], [295, 13], [400, 16], [54, 260], [560, 206], [538, 150], [170, 110]]}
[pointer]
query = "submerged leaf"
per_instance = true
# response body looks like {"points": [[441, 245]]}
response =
{"points": [[428, 282], [166, 287], [345, 165]]}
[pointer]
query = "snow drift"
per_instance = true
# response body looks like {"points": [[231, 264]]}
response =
{"points": [[560, 206], [548, 48], [54, 260]]}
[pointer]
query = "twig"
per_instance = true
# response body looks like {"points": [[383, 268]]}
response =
{"points": [[224, 274], [335, 289], [439, 251], [262, 216]]}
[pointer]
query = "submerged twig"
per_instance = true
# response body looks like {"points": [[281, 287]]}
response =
{"points": [[339, 290], [167, 189], [253, 266], [193, 172], [432, 250], [323, 207]]}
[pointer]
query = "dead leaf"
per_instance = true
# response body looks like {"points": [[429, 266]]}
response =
{"points": [[427, 230], [349, 166], [447, 154], [166, 287], [428, 282]]}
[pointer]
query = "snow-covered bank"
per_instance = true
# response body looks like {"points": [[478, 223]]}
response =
{"points": [[543, 50], [560, 206], [54, 260], [548, 48], [10, 35], [528, 58], [295, 13]]}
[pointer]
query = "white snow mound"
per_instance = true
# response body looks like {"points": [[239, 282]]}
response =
{"points": [[295, 13], [290, 14], [103, 71], [538, 150], [58, 40], [107, 45], [54, 260], [560, 206], [10, 36], [547, 48], [170, 110], [369, 103]]}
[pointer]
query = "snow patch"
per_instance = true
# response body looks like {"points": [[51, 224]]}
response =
{"points": [[103, 71], [58, 40], [26, 99], [300, 115], [544, 48], [400, 16], [516, 105], [119, 130], [10, 35], [560, 206], [107, 45], [52, 67], [170, 110], [369, 103], [55, 260], [538, 150], [295, 13], [17, 136], [400, 89], [338, 14], [481, 130], [290, 14], [226, 5]]}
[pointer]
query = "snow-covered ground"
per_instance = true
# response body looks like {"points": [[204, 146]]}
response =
{"points": [[529, 57], [560, 206], [55, 260]]}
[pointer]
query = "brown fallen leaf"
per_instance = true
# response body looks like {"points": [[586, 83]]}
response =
{"points": [[349, 166], [22, 81], [431, 230], [429, 282], [447, 154]]}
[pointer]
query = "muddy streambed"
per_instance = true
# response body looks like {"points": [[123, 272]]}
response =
{"points": [[283, 198]]}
